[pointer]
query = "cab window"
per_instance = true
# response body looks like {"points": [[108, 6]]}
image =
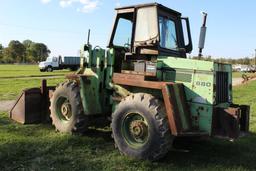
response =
{"points": [[123, 33], [55, 59], [168, 36]]}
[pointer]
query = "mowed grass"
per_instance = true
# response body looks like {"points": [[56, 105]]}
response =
{"points": [[21, 71], [11, 88], [15, 78], [39, 147], [246, 94]]}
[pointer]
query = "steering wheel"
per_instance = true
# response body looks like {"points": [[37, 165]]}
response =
{"points": [[127, 47]]}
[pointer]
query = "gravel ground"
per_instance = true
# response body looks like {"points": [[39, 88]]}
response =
{"points": [[237, 81]]}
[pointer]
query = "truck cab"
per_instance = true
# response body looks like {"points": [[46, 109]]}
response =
{"points": [[49, 64], [58, 63]]}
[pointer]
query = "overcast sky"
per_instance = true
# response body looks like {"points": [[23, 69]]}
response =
{"points": [[63, 24]]}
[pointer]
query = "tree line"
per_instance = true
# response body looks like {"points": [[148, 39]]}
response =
{"points": [[32, 52], [23, 52]]}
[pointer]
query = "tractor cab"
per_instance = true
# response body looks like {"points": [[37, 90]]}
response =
{"points": [[143, 32]]}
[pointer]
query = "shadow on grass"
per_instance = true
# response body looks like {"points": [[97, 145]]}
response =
{"points": [[4, 121], [215, 152], [93, 133], [38, 147]]}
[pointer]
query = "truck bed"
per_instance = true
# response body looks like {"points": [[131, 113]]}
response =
{"points": [[71, 60]]}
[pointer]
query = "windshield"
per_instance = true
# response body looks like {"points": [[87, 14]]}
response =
{"points": [[123, 33], [168, 37], [49, 59]]}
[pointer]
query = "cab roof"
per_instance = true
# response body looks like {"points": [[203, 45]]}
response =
{"points": [[147, 5]]}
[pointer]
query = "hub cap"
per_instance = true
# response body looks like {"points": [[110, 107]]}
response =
{"points": [[63, 109], [135, 130]]}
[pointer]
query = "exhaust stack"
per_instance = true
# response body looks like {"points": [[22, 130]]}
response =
{"points": [[202, 35]]}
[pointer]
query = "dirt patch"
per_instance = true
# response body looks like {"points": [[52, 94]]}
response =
{"points": [[237, 81], [6, 105]]}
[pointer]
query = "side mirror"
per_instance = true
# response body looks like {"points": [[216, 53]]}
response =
{"points": [[189, 45]]}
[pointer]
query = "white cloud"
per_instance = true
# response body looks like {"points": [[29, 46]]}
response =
{"points": [[88, 6], [45, 1], [66, 3], [85, 6]]}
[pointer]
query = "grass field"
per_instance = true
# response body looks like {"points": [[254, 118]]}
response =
{"points": [[21, 71], [39, 147], [11, 88], [14, 78]]}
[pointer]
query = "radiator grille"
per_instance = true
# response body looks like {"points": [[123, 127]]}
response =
{"points": [[221, 87]]}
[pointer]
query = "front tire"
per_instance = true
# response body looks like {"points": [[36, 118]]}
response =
{"points": [[140, 127], [66, 109], [49, 69]]}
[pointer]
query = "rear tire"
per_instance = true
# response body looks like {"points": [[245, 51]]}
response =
{"points": [[140, 127], [66, 109]]}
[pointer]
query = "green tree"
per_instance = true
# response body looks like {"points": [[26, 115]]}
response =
{"points": [[246, 61], [8, 56], [15, 52], [38, 52], [27, 43], [1, 53]]}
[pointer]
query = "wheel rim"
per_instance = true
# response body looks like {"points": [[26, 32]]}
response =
{"points": [[135, 130], [63, 109]]}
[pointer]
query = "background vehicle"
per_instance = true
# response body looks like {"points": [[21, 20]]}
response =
{"points": [[244, 68], [58, 63], [145, 87]]}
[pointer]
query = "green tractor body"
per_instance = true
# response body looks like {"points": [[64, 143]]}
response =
{"points": [[201, 91], [146, 61], [146, 85]]}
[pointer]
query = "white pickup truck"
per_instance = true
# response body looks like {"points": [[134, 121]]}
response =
{"points": [[58, 63]]}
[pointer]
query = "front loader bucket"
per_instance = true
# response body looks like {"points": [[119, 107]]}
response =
{"points": [[27, 108], [32, 106]]}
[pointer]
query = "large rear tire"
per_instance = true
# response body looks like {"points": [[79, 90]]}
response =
{"points": [[140, 127], [66, 109]]}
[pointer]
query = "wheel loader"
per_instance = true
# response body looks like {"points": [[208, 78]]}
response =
{"points": [[143, 85]]}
